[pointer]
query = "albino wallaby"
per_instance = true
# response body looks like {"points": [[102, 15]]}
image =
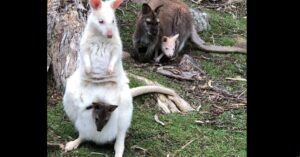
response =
{"points": [[168, 47], [146, 34], [101, 78], [176, 18]]}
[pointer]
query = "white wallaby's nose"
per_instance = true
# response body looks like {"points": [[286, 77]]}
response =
{"points": [[109, 33]]}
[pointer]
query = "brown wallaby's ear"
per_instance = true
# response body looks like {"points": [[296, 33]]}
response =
{"points": [[146, 8], [164, 39], [116, 4], [95, 4], [111, 108], [157, 9]]}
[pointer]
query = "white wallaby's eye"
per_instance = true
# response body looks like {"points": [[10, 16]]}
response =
{"points": [[101, 21], [113, 21], [166, 48]]}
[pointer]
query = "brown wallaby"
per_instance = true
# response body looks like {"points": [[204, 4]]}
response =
{"points": [[145, 37], [101, 113], [176, 22]]}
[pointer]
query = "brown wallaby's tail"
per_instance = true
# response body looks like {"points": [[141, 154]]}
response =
{"points": [[151, 89], [211, 48]]}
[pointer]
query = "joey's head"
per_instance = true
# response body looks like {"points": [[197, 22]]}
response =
{"points": [[101, 113], [168, 45], [150, 19], [103, 16]]}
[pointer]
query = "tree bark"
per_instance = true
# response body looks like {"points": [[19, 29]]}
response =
{"points": [[66, 21]]}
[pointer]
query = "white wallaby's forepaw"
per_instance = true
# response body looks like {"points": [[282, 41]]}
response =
{"points": [[71, 145], [109, 71], [88, 70]]}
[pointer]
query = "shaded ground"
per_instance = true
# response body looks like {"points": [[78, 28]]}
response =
{"points": [[220, 129]]}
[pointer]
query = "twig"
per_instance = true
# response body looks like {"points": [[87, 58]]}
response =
{"points": [[177, 151], [236, 79], [158, 121], [237, 105], [199, 121], [121, 11], [221, 108], [198, 108], [99, 154], [213, 39], [242, 93], [140, 148], [195, 2]]}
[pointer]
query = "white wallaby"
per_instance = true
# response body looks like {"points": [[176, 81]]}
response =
{"points": [[99, 87], [99, 78], [168, 45]]}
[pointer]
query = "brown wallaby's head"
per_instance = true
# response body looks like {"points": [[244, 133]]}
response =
{"points": [[150, 19], [101, 113]]}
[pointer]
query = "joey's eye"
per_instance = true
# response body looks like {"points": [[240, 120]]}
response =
{"points": [[101, 21], [97, 119]]}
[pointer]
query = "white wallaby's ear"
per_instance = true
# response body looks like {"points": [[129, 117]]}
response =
{"points": [[116, 4], [164, 39], [176, 36], [95, 4]]}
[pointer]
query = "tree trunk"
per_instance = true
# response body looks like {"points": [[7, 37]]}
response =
{"points": [[66, 21]]}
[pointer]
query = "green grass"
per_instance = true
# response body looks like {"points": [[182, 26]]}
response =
{"points": [[223, 138], [159, 140]]}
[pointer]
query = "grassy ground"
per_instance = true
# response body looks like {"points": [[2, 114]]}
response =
{"points": [[225, 135]]}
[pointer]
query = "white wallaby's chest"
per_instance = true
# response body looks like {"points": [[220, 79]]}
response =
{"points": [[100, 57]]}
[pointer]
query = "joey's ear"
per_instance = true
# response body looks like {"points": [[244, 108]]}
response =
{"points": [[111, 108], [146, 8], [157, 9], [96, 105], [164, 39], [176, 36], [116, 4], [89, 107], [95, 4]]}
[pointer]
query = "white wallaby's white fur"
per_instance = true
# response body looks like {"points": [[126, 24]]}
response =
{"points": [[99, 78], [168, 46]]}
